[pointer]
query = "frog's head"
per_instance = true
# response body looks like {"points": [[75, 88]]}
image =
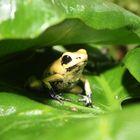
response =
{"points": [[74, 59], [69, 61]]}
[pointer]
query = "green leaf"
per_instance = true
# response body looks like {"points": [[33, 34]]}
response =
{"points": [[112, 87], [45, 23], [34, 24], [132, 62], [39, 121]]}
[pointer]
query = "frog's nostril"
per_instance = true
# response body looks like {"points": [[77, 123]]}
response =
{"points": [[78, 57]]}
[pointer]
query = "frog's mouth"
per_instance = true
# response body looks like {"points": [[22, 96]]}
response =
{"points": [[78, 65], [83, 63]]}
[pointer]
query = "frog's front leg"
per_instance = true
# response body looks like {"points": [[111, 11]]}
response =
{"points": [[52, 92], [47, 83], [87, 98]]}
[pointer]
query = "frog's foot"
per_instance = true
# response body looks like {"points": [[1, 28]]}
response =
{"points": [[87, 100], [59, 98]]}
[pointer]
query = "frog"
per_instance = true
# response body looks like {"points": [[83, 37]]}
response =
{"points": [[63, 75]]}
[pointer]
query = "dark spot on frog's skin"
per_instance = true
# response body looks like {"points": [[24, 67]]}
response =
{"points": [[58, 82], [71, 68], [78, 57], [69, 83], [77, 70]]}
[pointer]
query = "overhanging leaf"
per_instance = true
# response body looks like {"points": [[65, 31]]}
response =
{"points": [[132, 62], [65, 22]]}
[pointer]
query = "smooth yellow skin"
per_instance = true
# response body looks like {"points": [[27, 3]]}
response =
{"points": [[58, 68], [63, 75]]}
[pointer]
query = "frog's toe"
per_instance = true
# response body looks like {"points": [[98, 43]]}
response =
{"points": [[87, 101], [58, 98], [89, 104]]}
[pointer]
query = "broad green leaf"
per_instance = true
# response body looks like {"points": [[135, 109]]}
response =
{"points": [[12, 104], [112, 87], [39, 121], [26, 24], [132, 62]]}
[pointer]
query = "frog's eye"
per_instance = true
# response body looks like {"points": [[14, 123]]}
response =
{"points": [[66, 59]]}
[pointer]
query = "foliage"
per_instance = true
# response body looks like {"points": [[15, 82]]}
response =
{"points": [[28, 26]]}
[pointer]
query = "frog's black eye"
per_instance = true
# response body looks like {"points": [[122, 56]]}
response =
{"points": [[66, 59]]}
